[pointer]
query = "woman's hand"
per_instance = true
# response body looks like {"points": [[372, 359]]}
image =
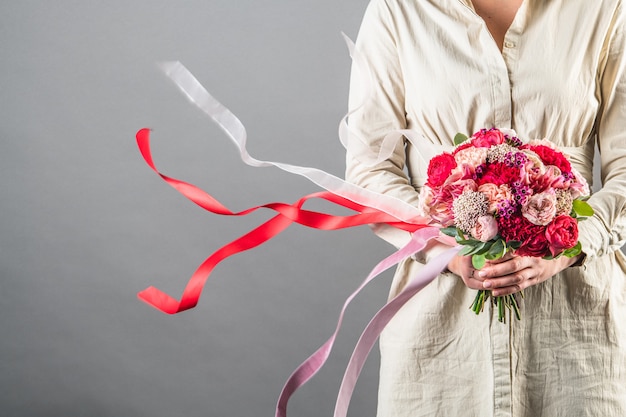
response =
{"points": [[462, 266], [510, 274]]}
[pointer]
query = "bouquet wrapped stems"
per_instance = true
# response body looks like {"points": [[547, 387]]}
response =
{"points": [[503, 303]]}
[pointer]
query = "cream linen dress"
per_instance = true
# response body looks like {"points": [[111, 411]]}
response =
{"points": [[561, 75]]}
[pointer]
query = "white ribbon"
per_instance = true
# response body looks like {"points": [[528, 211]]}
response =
{"points": [[235, 130]]}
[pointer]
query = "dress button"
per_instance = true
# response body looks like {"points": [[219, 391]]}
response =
{"points": [[509, 44]]}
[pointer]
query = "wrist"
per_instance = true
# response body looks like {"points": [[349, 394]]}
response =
{"points": [[567, 262]]}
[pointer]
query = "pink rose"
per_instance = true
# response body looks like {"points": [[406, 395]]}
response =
{"points": [[458, 187], [496, 194], [486, 138], [436, 202], [533, 169], [485, 229], [471, 156], [579, 186], [562, 234], [550, 178], [540, 208]]}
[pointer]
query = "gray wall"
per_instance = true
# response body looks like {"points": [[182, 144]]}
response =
{"points": [[86, 224]]}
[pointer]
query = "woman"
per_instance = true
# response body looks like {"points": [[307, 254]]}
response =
{"points": [[552, 69]]}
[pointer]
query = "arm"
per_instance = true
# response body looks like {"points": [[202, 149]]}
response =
{"points": [[378, 108], [605, 232]]}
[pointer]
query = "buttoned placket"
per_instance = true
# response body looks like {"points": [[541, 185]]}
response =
{"points": [[498, 74], [510, 57], [502, 334], [500, 67]]}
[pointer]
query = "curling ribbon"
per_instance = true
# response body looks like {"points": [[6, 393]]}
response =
{"points": [[379, 321], [369, 336], [288, 214], [232, 126], [370, 208]]}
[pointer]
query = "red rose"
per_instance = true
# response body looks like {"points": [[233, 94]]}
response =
{"points": [[550, 156], [535, 245], [439, 169], [486, 138], [562, 234]]}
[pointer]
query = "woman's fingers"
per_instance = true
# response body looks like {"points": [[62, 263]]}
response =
{"points": [[507, 277], [508, 285], [462, 266], [473, 280], [515, 274]]}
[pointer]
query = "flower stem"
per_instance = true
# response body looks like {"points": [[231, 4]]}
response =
{"points": [[502, 303], [515, 306], [479, 301]]}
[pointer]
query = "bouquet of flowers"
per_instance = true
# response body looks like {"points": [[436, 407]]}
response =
{"points": [[495, 194]]}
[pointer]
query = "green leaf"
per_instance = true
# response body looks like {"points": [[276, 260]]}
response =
{"points": [[514, 244], [466, 250], [450, 231], [483, 248], [471, 247], [497, 250], [582, 208], [478, 261], [459, 138], [576, 250]]}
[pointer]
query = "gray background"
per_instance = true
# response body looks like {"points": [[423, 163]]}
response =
{"points": [[86, 224]]}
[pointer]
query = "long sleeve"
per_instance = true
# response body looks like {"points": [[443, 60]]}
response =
{"points": [[605, 232], [377, 99]]}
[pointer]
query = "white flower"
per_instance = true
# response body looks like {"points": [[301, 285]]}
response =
{"points": [[467, 208]]}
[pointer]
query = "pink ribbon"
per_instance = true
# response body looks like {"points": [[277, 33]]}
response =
{"points": [[370, 208], [371, 333], [380, 320]]}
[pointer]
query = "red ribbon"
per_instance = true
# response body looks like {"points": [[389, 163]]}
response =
{"points": [[286, 215]]}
